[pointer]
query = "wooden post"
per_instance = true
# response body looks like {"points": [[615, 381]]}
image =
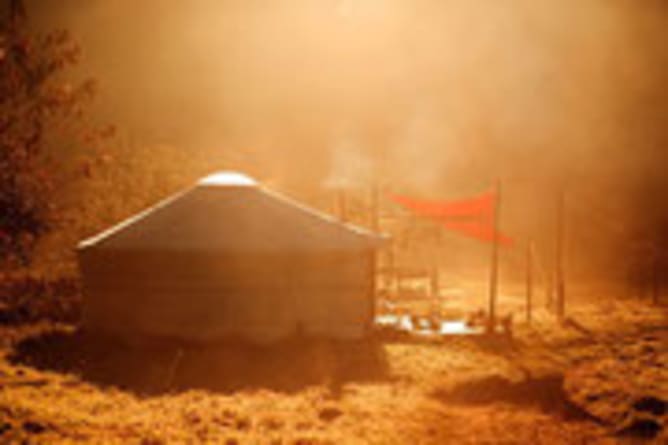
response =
{"points": [[656, 277], [434, 285], [375, 208], [376, 267], [373, 291], [549, 286], [529, 290], [559, 266], [494, 263], [392, 265], [435, 247]]}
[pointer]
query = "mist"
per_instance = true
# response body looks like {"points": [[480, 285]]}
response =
{"points": [[334, 221], [432, 98], [434, 88]]}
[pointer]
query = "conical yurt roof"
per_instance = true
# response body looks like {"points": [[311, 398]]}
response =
{"points": [[231, 212]]}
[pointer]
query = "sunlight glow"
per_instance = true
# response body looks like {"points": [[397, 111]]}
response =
{"points": [[228, 179]]}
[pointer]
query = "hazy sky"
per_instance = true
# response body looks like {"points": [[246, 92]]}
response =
{"points": [[434, 98], [420, 90]]}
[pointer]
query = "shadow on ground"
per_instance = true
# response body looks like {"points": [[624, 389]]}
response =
{"points": [[226, 367], [543, 393]]}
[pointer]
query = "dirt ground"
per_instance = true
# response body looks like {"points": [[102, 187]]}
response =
{"points": [[601, 378]]}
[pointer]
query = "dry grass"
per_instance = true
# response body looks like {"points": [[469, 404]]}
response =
{"points": [[56, 388]]}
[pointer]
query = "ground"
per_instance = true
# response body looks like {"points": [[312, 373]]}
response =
{"points": [[599, 378]]}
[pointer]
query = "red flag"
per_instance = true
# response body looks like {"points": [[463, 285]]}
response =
{"points": [[479, 230], [473, 217], [480, 207]]}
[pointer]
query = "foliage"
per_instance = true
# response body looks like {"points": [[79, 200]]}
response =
{"points": [[35, 101], [29, 298]]}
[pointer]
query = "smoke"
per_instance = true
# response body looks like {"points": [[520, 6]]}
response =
{"points": [[422, 149], [350, 167]]}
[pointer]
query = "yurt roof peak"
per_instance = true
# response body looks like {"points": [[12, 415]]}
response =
{"points": [[227, 179]]}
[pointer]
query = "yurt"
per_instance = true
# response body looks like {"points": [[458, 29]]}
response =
{"points": [[229, 258]]}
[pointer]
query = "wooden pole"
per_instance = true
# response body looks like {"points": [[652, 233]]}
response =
{"points": [[656, 285], [433, 281], [549, 286], [529, 277], [559, 271], [375, 223], [494, 263], [391, 266], [373, 291], [375, 208]]}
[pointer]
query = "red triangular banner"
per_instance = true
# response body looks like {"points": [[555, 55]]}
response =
{"points": [[478, 207], [478, 230], [472, 217]]}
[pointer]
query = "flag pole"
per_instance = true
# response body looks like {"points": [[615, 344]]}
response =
{"points": [[656, 275], [494, 264], [559, 271], [529, 283], [375, 207]]}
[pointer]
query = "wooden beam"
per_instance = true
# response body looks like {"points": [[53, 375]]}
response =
{"points": [[494, 261], [559, 266], [529, 282]]}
